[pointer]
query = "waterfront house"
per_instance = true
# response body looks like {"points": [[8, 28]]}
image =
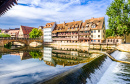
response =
{"points": [[47, 31], [90, 31], [24, 31], [114, 40], [14, 32]]}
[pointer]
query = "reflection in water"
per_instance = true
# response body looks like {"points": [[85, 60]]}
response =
{"points": [[37, 65]]}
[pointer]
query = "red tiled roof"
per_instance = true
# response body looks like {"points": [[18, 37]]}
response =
{"points": [[26, 29]]}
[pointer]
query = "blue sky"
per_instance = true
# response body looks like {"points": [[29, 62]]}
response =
{"points": [[35, 13]]}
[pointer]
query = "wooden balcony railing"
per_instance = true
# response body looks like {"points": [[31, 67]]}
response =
{"points": [[84, 33], [82, 38], [61, 39]]}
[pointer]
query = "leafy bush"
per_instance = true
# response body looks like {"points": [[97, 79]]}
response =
{"points": [[4, 35]]}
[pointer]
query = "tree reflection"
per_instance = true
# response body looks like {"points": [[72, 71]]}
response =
{"points": [[0, 56], [36, 54]]}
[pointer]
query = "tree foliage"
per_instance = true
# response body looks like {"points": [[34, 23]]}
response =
{"points": [[36, 54], [119, 17], [4, 35], [108, 32], [35, 33]]}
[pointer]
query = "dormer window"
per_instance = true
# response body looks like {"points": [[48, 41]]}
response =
{"points": [[86, 26], [93, 26]]}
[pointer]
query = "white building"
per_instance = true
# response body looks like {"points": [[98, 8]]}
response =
{"points": [[47, 31]]}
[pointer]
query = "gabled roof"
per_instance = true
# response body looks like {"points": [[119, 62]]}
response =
{"points": [[97, 21], [64, 26], [48, 25], [26, 29]]}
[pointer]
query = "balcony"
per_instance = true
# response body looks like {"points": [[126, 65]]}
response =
{"points": [[76, 39], [64, 34], [82, 38], [84, 33], [74, 34], [61, 39], [54, 35]]}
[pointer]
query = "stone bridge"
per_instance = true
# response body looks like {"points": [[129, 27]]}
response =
{"points": [[25, 41]]}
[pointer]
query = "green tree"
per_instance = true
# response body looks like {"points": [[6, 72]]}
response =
{"points": [[36, 54], [0, 30], [4, 35], [35, 33], [108, 32], [119, 17]]}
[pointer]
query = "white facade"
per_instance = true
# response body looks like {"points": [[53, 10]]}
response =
{"points": [[47, 54], [48, 33]]}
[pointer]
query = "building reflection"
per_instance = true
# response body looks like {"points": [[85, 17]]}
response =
{"points": [[47, 57], [65, 56]]}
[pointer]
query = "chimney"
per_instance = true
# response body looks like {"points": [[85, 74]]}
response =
{"points": [[73, 21], [64, 23]]}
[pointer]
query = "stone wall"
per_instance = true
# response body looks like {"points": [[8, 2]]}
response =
{"points": [[124, 47]]}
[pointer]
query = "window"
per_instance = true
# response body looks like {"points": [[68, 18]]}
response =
{"points": [[108, 40], [92, 36], [117, 40], [68, 28], [75, 36], [98, 31], [93, 26], [91, 40], [72, 28], [94, 31], [98, 40], [86, 26], [98, 36], [91, 31], [94, 40]]}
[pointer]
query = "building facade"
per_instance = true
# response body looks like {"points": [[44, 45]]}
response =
{"points": [[47, 31], [24, 31], [90, 31], [14, 32]]}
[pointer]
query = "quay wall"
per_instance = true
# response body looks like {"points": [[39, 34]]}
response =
{"points": [[124, 47]]}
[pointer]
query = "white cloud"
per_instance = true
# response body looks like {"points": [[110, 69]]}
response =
{"points": [[57, 10]]}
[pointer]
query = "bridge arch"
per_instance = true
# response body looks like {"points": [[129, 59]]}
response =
{"points": [[25, 41]]}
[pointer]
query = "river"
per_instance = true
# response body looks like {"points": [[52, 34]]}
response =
{"points": [[62, 65]]}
